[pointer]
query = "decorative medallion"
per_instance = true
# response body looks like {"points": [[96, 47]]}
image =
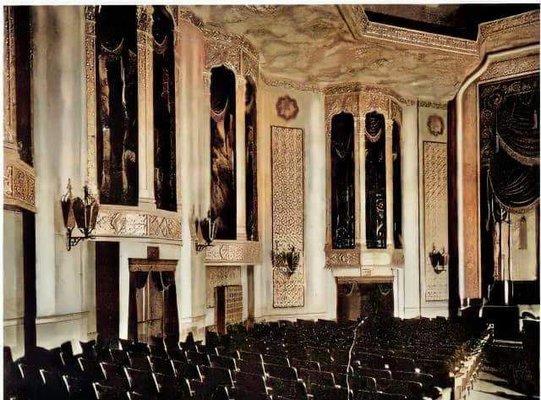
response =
{"points": [[435, 124], [287, 108]]}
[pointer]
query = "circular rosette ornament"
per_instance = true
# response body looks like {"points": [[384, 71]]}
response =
{"points": [[287, 107]]}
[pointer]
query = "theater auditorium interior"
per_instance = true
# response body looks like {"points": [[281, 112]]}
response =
{"points": [[271, 202]]}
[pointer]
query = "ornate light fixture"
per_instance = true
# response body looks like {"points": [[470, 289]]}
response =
{"points": [[286, 260], [205, 232], [438, 259], [82, 213]]}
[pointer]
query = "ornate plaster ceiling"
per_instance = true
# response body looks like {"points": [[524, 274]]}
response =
{"points": [[314, 45], [321, 45]]}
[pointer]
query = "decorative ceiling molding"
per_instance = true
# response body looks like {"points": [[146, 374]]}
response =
{"points": [[432, 104], [488, 28], [349, 87], [289, 84], [360, 27]]}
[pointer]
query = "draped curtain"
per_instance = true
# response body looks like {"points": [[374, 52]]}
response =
{"points": [[510, 142]]}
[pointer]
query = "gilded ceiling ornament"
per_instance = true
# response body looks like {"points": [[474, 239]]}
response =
{"points": [[435, 124], [287, 108]]}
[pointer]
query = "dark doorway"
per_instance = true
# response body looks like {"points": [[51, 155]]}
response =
{"points": [[219, 294], [251, 302], [107, 289], [29, 277], [364, 299]]}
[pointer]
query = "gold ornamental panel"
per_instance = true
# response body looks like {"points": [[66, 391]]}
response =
{"points": [[233, 252], [287, 160], [129, 222]]}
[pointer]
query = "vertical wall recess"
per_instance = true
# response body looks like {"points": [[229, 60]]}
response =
{"points": [[222, 148], [397, 187], [117, 104], [164, 110], [287, 159], [343, 181], [251, 159], [376, 210], [435, 217]]}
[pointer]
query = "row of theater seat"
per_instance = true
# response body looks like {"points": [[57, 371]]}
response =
{"points": [[290, 367]]}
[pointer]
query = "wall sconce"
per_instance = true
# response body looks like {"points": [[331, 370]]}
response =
{"points": [[205, 232], [438, 259], [82, 213], [286, 260]]}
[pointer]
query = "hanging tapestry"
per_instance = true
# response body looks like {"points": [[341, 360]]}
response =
{"points": [[251, 160], [222, 147], [376, 220], [164, 110], [342, 181], [117, 104]]}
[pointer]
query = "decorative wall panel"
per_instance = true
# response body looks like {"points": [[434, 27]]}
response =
{"points": [[287, 158], [19, 184], [124, 222], [233, 252], [435, 216], [233, 304], [220, 276]]}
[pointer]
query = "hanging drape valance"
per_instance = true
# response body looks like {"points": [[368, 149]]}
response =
{"points": [[515, 186], [517, 127], [510, 141]]}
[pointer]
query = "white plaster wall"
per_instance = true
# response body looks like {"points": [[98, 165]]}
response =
{"points": [[13, 282], [320, 301], [63, 279], [193, 136], [429, 308], [408, 277]]}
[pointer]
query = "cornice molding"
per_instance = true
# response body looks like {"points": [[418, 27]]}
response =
{"points": [[361, 27]]}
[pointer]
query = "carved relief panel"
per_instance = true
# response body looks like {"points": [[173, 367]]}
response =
{"points": [[19, 175], [287, 162]]}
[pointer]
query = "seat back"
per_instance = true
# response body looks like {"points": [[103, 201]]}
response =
{"points": [[91, 369], [186, 370], [141, 382], [294, 390], [103, 392], [250, 367], [306, 364], [276, 359], [223, 362], [114, 375], [53, 385], [374, 373], [161, 366], [330, 393], [319, 377], [198, 358], [251, 382], [251, 357], [216, 376], [282, 372]]}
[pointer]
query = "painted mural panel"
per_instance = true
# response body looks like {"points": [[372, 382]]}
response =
{"points": [[343, 181], [116, 46], [376, 219], [222, 147], [164, 110]]}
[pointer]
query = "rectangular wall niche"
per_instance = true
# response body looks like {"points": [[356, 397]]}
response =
{"points": [[287, 159], [116, 80], [435, 216]]}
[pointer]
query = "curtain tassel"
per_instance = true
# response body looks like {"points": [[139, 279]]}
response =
{"points": [[523, 234]]}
